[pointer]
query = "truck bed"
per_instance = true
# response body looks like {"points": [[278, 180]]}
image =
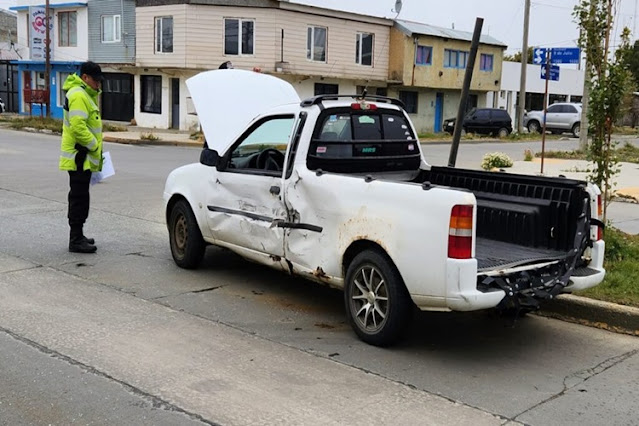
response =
{"points": [[494, 255]]}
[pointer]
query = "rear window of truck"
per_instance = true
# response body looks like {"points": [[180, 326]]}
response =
{"points": [[345, 140]]}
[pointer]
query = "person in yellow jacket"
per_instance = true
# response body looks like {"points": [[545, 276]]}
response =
{"points": [[81, 148]]}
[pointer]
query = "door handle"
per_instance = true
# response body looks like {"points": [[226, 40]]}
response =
{"points": [[275, 190]]}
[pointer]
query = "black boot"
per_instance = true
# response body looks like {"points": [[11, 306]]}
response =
{"points": [[88, 240], [78, 243]]}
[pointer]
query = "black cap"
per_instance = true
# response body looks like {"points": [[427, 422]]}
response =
{"points": [[92, 69]]}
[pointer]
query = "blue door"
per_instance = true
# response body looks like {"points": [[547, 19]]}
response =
{"points": [[439, 112]]}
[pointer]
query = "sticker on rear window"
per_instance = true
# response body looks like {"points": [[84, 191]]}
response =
{"points": [[321, 150], [332, 118], [391, 119]]}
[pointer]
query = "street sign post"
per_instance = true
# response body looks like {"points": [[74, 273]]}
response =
{"points": [[553, 74]]}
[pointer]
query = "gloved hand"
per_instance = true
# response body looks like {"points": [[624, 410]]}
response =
{"points": [[81, 148]]}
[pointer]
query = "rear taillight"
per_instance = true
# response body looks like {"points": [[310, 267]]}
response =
{"points": [[599, 216], [460, 232]]}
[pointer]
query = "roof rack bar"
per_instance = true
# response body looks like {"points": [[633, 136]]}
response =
{"points": [[317, 100]]}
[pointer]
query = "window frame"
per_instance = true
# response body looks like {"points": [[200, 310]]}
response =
{"points": [[429, 49], [69, 31], [482, 62], [61, 92], [407, 106], [143, 85], [226, 158], [240, 41], [310, 43], [334, 89], [117, 28], [158, 42], [461, 58], [359, 49]]}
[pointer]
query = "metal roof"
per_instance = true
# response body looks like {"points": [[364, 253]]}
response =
{"points": [[411, 28]]}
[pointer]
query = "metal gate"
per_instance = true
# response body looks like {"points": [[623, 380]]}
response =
{"points": [[9, 85], [117, 97]]}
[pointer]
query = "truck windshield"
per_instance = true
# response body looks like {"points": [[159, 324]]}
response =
{"points": [[347, 140]]}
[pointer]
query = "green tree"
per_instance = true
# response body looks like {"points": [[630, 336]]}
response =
{"points": [[609, 84], [517, 56], [632, 61]]}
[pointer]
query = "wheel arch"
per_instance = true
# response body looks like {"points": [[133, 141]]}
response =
{"points": [[358, 246]]}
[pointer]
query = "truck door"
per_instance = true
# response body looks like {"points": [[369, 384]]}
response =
{"points": [[245, 204]]}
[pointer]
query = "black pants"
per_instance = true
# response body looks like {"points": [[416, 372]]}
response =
{"points": [[78, 197]]}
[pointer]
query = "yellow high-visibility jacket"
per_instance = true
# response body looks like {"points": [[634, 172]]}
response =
{"points": [[82, 125]]}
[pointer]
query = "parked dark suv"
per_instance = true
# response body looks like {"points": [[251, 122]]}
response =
{"points": [[488, 121]]}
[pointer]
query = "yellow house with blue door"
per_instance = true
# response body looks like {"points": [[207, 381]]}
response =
{"points": [[427, 65]]}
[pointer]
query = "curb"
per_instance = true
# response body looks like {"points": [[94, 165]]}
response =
{"points": [[593, 313], [126, 141]]}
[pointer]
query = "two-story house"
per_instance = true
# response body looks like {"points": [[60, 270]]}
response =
{"points": [[427, 68], [10, 50], [317, 50], [99, 30]]}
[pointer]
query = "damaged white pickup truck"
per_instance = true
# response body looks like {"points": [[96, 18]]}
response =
{"points": [[335, 189]]}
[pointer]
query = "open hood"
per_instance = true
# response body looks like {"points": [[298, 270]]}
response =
{"points": [[227, 100]]}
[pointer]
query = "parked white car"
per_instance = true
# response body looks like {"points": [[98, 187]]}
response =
{"points": [[560, 117], [335, 189]]}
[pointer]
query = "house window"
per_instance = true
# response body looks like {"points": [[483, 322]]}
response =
{"points": [[410, 101], [364, 49], [486, 62], [111, 28], [326, 89], [164, 34], [316, 44], [67, 29], [239, 37], [424, 55], [62, 77], [151, 96], [455, 58]]}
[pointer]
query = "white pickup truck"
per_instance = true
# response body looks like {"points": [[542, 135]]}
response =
{"points": [[335, 189]]}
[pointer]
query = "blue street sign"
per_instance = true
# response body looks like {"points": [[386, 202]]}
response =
{"points": [[565, 55], [553, 73], [539, 55], [558, 55]]}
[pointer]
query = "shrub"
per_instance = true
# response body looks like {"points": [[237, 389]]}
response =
{"points": [[496, 160], [528, 155]]}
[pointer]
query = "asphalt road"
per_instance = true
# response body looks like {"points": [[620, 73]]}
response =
{"points": [[126, 337]]}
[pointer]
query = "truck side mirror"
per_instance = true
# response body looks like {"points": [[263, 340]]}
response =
{"points": [[209, 157]]}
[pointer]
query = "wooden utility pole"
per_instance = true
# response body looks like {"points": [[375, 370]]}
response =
{"points": [[47, 63], [524, 64], [470, 66]]}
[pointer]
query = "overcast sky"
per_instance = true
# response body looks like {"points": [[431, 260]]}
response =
{"points": [[551, 22]]}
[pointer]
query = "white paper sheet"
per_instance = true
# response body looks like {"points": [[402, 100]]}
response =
{"points": [[107, 169]]}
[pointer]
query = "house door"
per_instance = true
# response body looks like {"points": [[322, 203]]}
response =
{"points": [[9, 86], [439, 112], [117, 97], [26, 86], [175, 103]]}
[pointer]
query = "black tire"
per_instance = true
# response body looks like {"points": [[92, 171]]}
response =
{"points": [[187, 244], [534, 127], [503, 133], [372, 281], [576, 129]]}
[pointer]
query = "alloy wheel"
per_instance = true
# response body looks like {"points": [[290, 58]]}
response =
{"points": [[369, 298]]}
